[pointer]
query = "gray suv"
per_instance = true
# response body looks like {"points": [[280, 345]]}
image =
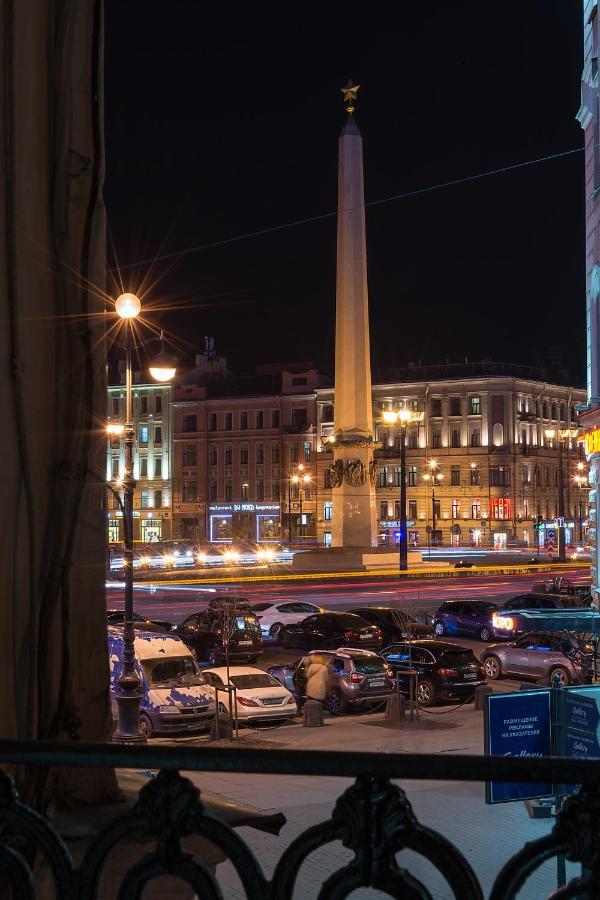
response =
{"points": [[539, 655], [356, 678]]}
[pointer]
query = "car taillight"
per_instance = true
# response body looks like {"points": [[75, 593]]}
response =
{"points": [[355, 678], [290, 699], [378, 632], [246, 701], [389, 673], [351, 635], [446, 673], [577, 662]]}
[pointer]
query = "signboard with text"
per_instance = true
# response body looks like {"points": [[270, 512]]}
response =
{"points": [[578, 726], [518, 724]]}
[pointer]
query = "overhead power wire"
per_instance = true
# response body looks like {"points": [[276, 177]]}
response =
{"points": [[418, 191]]}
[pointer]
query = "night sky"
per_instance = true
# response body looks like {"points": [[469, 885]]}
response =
{"points": [[221, 122]]}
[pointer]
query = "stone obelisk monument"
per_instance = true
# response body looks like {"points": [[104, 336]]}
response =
{"points": [[353, 471]]}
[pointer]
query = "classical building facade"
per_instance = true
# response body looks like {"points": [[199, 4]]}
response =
{"points": [[239, 444], [589, 117], [152, 463]]}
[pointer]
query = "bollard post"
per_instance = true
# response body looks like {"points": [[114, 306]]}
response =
{"points": [[395, 709], [313, 714], [481, 693]]}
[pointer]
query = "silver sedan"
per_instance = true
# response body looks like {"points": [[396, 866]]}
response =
{"points": [[536, 655]]}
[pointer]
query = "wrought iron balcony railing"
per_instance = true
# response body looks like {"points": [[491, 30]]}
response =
{"points": [[373, 818]]}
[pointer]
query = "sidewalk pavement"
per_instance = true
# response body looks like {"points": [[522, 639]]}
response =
{"points": [[486, 835]]}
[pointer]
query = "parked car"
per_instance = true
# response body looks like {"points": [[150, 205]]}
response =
{"points": [[275, 614], [444, 670], [356, 678], [331, 630], [538, 655], [175, 696], [394, 624], [486, 619], [260, 697], [117, 617], [204, 631]]}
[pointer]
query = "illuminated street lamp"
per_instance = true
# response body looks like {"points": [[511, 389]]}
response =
{"points": [[298, 477], [403, 417], [580, 480], [563, 436], [129, 692], [435, 476]]}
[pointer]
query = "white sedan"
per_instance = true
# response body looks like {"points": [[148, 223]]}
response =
{"points": [[273, 615], [260, 697]]}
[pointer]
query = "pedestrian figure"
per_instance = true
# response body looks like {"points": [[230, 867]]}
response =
{"points": [[317, 678]]}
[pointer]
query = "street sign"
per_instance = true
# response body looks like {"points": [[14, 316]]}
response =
{"points": [[429, 529], [517, 724], [578, 726], [578, 710]]}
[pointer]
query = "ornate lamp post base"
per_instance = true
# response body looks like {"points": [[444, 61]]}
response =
{"points": [[128, 730]]}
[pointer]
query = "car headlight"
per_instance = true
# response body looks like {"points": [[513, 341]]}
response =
{"points": [[170, 710], [506, 623]]}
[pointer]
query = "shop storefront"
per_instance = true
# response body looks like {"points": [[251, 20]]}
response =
{"points": [[257, 522], [148, 528]]}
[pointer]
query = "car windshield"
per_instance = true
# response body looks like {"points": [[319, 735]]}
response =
{"points": [[254, 680], [174, 671], [369, 666], [458, 658]]}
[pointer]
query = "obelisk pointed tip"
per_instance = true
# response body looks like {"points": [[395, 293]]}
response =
{"points": [[350, 96]]}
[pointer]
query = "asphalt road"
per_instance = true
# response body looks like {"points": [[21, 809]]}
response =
{"points": [[174, 602]]}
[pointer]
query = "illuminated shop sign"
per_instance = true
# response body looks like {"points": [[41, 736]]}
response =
{"points": [[386, 523], [592, 441], [243, 507]]}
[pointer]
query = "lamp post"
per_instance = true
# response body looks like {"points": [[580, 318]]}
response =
{"points": [[435, 476], [298, 477], [563, 436], [580, 479], [129, 690], [403, 417]]}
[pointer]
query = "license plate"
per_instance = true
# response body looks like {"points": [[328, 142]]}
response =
{"points": [[472, 675], [245, 643], [380, 682], [365, 637]]}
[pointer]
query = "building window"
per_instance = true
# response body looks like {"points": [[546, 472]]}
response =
{"points": [[227, 421], [436, 437], [476, 509], [307, 451], [475, 440], [158, 403], [455, 437], [143, 434], [436, 406], [115, 406], [412, 476], [382, 477], [475, 477], [188, 423], [547, 476], [260, 489], [474, 406], [327, 510], [327, 539], [499, 476], [158, 435], [275, 490], [414, 405], [327, 412], [455, 406], [114, 442], [500, 508], [412, 509], [455, 509], [413, 439], [437, 510], [143, 467], [212, 490], [243, 421], [243, 454], [244, 491], [158, 499], [143, 406], [526, 475], [383, 509], [115, 467], [326, 478], [260, 454], [212, 456], [293, 453], [158, 466], [455, 476], [212, 421], [190, 491], [228, 455], [260, 419], [397, 476], [145, 498], [274, 418], [189, 455], [228, 490], [275, 453], [537, 476], [299, 419]]}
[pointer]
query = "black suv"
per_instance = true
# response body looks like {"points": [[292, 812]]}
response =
{"points": [[444, 669], [331, 630], [395, 624], [203, 632]]}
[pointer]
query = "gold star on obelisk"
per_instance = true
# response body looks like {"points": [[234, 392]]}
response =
{"points": [[349, 93]]}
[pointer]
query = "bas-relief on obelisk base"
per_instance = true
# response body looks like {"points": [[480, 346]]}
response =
{"points": [[354, 523]]}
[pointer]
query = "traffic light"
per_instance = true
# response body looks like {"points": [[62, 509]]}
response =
{"points": [[539, 523]]}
